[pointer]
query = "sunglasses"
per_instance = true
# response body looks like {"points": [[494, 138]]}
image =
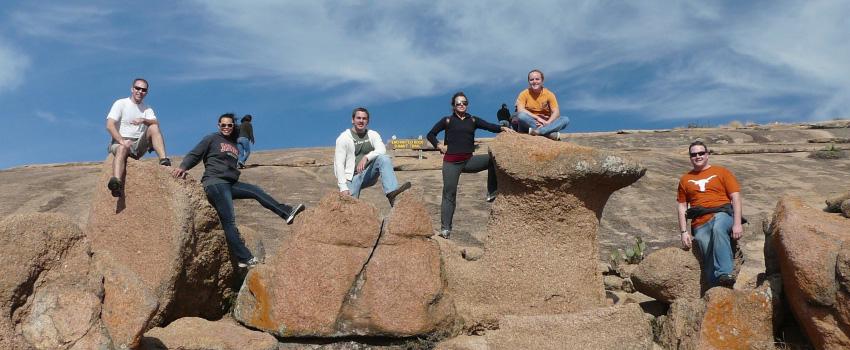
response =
{"points": [[225, 125], [139, 88], [465, 103], [698, 154]]}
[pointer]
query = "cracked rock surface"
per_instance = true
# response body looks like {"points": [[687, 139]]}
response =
{"points": [[345, 272]]}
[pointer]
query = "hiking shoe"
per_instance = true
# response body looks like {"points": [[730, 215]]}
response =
{"points": [[492, 196], [295, 210], [391, 196], [249, 263], [240, 166], [726, 280], [533, 132], [555, 136], [445, 233], [114, 185], [165, 162]]}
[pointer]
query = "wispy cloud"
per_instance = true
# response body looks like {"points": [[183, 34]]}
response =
{"points": [[699, 59], [46, 116], [13, 65]]}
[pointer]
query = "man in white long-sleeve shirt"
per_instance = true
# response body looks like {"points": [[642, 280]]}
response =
{"points": [[360, 158]]}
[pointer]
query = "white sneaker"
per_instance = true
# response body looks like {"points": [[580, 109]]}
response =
{"points": [[445, 233], [295, 210], [249, 264], [555, 136]]}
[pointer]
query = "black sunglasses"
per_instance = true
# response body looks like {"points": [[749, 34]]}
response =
{"points": [[465, 103], [139, 88], [698, 154], [226, 125]]}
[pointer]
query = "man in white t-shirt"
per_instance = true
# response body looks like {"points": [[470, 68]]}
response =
{"points": [[135, 131]]}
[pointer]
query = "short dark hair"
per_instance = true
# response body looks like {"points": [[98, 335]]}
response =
{"points": [[697, 143], [456, 95], [360, 109], [538, 71], [142, 79], [247, 117], [227, 115]]}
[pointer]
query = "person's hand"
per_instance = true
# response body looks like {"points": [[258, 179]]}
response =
{"points": [[346, 192], [737, 231], [137, 121], [507, 129], [178, 173], [686, 240], [362, 165], [443, 149]]}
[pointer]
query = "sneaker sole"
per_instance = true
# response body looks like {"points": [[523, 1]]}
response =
{"points": [[295, 212]]}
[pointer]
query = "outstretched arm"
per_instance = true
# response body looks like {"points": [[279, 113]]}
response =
{"points": [[193, 157]]}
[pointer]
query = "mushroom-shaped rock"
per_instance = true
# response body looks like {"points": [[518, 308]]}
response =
{"points": [[813, 251], [541, 250], [160, 250], [338, 275], [50, 291]]}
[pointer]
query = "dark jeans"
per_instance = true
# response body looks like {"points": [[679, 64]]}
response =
{"points": [[221, 197], [451, 175]]}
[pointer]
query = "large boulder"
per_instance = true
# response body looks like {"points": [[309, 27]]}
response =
{"points": [[541, 249], [338, 274], [193, 333], [668, 274], [813, 251], [50, 292], [160, 250], [616, 327], [723, 319]]}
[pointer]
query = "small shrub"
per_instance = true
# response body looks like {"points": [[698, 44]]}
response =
{"points": [[735, 124], [631, 255], [830, 152]]}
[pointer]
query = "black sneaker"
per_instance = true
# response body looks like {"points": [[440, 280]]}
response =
{"points": [[391, 196], [165, 162], [492, 196], [726, 280], [295, 210], [114, 185], [249, 263]]}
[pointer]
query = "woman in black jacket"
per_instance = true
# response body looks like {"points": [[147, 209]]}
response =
{"points": [[221, 183], [457, 155]]}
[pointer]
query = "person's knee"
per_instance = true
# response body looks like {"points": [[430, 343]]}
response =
{"points": [[153, 129]]}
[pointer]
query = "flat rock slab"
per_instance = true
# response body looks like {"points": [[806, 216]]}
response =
{"points": [[193, 333]]}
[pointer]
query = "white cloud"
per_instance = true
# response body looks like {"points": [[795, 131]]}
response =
{"points": [[46, 116], [13, 65]]}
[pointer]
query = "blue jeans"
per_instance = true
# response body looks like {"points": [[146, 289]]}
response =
{"points": [[221, 197], [381, 167], [244, 146], [529, 122], [715, 246]]}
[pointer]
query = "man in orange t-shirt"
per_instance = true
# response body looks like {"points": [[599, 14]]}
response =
{"points": [[537, 109], [714, 198]]}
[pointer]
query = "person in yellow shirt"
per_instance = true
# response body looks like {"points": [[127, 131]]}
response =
{"points": [[537, 109]]}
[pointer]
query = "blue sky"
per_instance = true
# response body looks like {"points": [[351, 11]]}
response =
{"points": [[300, 66]]}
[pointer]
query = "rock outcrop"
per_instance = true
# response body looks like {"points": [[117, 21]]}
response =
{"points": [[160, 250], [617, 327], [50, 292], [723, 319], [193, 333], [813, 251], [339, 274], [541, 250]]}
